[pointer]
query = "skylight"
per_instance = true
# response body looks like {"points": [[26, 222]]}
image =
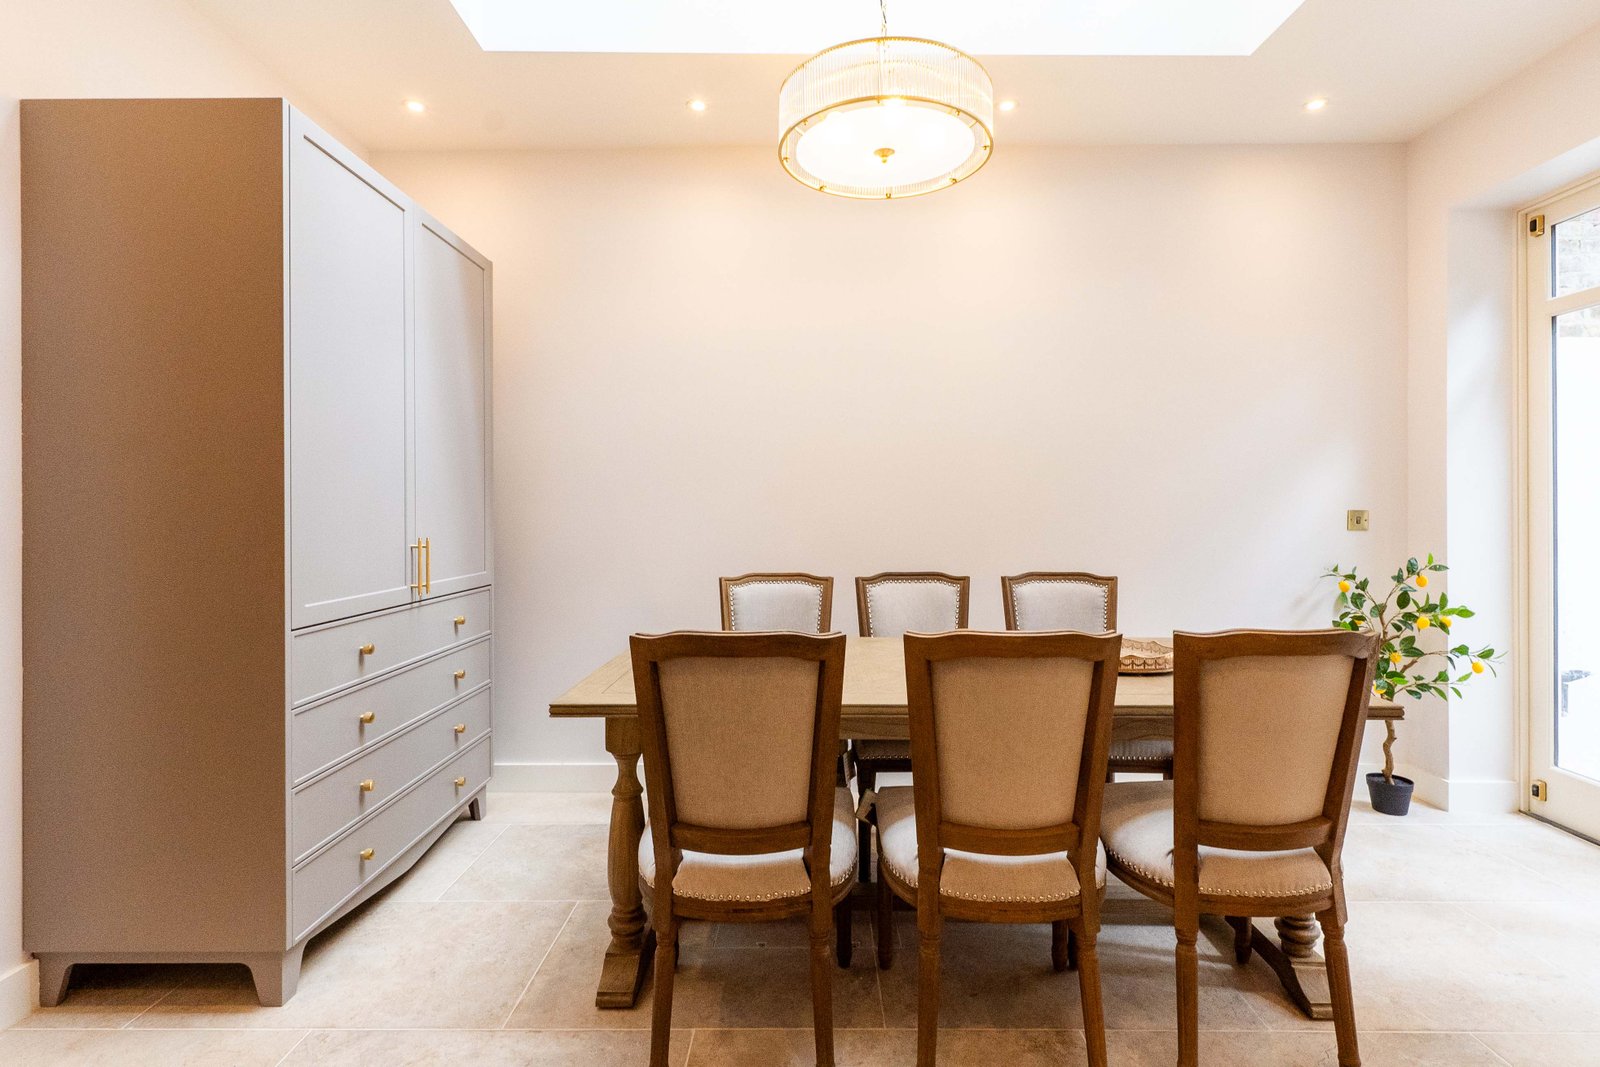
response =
{"points": [[1019, 27]]}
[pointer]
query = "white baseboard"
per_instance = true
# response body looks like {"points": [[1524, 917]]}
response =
{"points": [[555, 777], [1470, 796], [19, 993]]}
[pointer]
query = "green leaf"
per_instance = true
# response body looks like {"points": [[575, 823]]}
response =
{"points": [[1412, 566], [1486, 653], [1465, 613]]}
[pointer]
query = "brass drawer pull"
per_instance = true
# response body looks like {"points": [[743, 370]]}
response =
{"points": [[461, 782], [367, 649], [461, 620], [460, 675], [367, 785], [461, 727], [367, 854], [367, 718]]}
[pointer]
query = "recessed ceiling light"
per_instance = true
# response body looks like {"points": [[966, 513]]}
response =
{"points": [[1316, 103], [697, 104], [1008, 105], [416, 107]]}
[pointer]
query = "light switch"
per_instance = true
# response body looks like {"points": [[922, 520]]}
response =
{"points": [[1357, 520]]}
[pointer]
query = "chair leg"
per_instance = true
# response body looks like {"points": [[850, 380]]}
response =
{"points": [[822, 988], [1166, 771], [927, 989], [661, 1008], [1188, 966], [843, 935], [885, 921], [1241, 938], [1060, 945], [1094, 1021], [1344, 1009], [866, 780]]}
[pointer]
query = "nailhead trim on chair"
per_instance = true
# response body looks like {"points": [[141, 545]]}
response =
{"points": [[733, 605], [955, 621], [1015, 607], [1163, 880]]}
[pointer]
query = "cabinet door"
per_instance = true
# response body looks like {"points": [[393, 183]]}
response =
{"points": [[349, 468], [451, 302]]}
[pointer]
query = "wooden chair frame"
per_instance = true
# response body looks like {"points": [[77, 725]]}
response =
{"points": [[824, 585], [672, 836], [1073, 922], [1323, 833], [1009, 582]]}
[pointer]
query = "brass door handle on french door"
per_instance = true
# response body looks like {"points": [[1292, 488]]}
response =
{"points": [[423, 550]]}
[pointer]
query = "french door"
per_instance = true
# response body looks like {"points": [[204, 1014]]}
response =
{"points": [[1563, 518]]}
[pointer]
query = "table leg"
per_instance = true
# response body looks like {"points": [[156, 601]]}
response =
{"points": [[1289, 946], [627, 958]]}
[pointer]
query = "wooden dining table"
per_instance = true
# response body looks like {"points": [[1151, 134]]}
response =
{"points": [[874, 707]]}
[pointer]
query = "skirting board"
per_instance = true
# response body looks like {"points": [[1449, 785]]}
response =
{"points": [[554, 777], [19, 993], [1470, 796]]}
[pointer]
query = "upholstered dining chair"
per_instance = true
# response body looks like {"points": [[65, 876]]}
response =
{"points": [[1268, 730], [746, 823], [888, 605], [1074, 600], [799, 602], [1021, 847]]}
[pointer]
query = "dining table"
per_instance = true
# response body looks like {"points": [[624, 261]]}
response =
{"points": [[874, 706]]}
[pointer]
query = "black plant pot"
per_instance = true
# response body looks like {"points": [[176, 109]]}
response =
{"points": [[1392, 797]]}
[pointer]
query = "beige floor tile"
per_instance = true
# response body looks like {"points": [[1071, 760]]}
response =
{"points": [[146, 1048], [110, 995], [1235, 1049], [797, 1048], [1436, 862], [480, 1048], [1565, 935], [1546, 1050], [446, 861], [1552, 853], [397, 964], [538, 863], [549, 808]]}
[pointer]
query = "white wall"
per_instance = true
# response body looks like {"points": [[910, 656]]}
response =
{"points": [[1467, 178], [1177, 365], [70, 48]]}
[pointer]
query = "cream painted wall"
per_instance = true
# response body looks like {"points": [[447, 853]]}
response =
{"points": [[71, 48], [1177, 365], [1467, 178]]}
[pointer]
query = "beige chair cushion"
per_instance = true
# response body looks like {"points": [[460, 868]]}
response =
{"points": [[774, 876], [871, 750], [1060, 604], [925, 605], [739, 738], [968, 875], [777, 604], [1136, 826]]}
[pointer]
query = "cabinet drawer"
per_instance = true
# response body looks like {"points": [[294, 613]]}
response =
{"points": [[330, 657], [328, 879], [327, 805], [327, 732]]}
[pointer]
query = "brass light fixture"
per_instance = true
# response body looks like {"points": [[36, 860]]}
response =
{"points": [[885, 117]]}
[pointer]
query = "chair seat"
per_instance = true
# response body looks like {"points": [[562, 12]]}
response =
{"points": [[968, 875], [1152, 752], [872, 750], [1136, 826], [758, 879]]}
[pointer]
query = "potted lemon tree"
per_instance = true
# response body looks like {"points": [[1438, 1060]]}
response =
{"points": [[1417, 659]]}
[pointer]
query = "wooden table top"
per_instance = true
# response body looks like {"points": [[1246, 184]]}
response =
{"points": [[874, 689]]}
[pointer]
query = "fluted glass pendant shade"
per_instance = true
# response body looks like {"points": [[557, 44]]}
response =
{"points": [[886, 117]]}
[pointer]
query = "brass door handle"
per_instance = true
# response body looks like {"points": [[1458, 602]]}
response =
{"points": [[460, 675], [461, 782], [461, 727], [367, 854], [367, 649], [367, 718], [368, 785], [424, 551]]}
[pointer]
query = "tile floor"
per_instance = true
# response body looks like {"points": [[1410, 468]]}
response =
{"points": [[1474, 941]]}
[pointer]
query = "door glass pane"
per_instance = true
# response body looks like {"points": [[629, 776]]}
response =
{"points": [[1577, 537], [1577, 253]]}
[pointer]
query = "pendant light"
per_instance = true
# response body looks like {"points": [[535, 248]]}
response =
{"points": [[885, 117]]}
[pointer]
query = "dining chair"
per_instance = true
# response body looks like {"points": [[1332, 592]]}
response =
{"points": [[791, 601], [1022, 846], [889, 605], [1268, 728], [1074, 600], [746, 823]]}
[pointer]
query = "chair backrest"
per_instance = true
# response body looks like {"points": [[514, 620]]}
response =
{"points": [[802, 603], [1010, 733], [1060, 600], [898, 602], [1266, 736], [739, 736]]}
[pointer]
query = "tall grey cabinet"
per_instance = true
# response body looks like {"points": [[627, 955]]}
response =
{"points": [[256, 544]]}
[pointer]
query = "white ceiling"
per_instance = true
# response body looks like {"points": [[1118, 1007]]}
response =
{"points": [[1015, 28], [1390, 69]]}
